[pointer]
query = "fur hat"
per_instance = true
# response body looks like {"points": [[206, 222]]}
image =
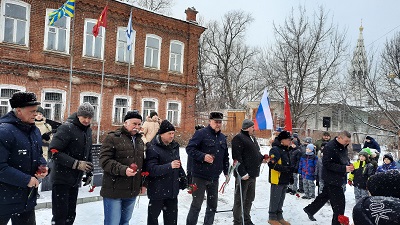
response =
{"points": [[388, 156], [216, 116], [385, 184], [247, 124], [40, 110], [284, 135], [377, 210], [22, 99], [153, 114], [86, 110], [165, 127], [132, 114]]}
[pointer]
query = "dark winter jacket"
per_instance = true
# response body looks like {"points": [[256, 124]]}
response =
{"points": [[73, 141], [207, 141], [372, 144], [318, 144], [163, 181], [20, 157], [362, 172], [385, 167], [334, 162], [308, 166], [295, 156], [116, 155], [246, 150], [280, 169], [377, 210]]}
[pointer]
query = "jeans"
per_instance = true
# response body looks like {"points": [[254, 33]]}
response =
{"points": [[198, 197], [63, 199], [25, 218], [118, 211]]}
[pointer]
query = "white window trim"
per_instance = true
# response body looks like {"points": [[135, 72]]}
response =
{"points": [[64, 99], [182, 55], [159, 50], [179, 110], [82, 94], [113, 107], [148, 99], [101, 29], [46, 33], [12, 86], [133, 46], [28, 19]]}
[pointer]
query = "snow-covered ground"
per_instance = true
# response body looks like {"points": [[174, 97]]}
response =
{"points": [[92, 213]]}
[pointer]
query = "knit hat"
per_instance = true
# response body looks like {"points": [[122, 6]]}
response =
{"points": [[153, 114], [388, 156], [132, 114], [40, 110], [165, 127], [279, 129], [364, 153], [368, 137], [216, 116], [247, 124], [284, 135], [385, 184], [308, 140], [377, 210], [85, 110], [311, 147], [295, 135], [22, 99]]}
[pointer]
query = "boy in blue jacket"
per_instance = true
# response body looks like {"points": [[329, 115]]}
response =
{"points": [[307, 169]]}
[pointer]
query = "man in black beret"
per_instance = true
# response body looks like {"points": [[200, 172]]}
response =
{"points": [[21, 157], [208, 151], [121, 157]]}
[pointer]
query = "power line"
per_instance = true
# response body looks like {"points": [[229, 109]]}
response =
{"points": [[383, 35]]}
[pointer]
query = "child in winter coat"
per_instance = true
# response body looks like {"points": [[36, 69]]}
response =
{"points": [[307, 168], [388, 164], [363, 169]]}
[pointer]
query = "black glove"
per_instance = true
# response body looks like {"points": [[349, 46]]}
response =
{"points": [[291, 179], [88, 179], [83, 166], [46, 136], [183, 183]]}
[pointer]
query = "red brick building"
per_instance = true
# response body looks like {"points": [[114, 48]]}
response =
{"points": [[35, 56]]}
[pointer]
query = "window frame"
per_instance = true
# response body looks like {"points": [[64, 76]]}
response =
{"points": [[3, 21], [128, 108], [132, 61], [9, 86], [179, 111], [63, 104], [144, 115], [159, 51], [46, 33], [102, 33], [180, 70], [92, 94]]}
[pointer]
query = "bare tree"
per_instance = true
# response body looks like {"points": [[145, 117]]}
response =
{"points": [[306, 59], [226, 63], [162, 6]]}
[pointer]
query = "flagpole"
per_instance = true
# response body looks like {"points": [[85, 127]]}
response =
{"points": [[129, 71], [129, 52], [101, 102], [70, 64]]}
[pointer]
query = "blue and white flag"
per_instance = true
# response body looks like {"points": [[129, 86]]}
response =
{"points": [[263, 119], [129, 33]]}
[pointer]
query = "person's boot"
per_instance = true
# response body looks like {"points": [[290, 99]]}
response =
{"points": [[274, 222], [310, 216], [284, 222]]}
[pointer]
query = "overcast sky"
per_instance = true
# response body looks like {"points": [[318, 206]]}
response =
{"points": [[378, 17]]}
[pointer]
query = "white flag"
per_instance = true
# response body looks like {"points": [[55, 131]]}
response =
{"points": [[129, 33]]}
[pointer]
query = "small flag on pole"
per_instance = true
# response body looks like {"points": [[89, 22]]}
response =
{"points": [[288, 117], [101, 22], [67, 9], [263, 119], [129, 33]]}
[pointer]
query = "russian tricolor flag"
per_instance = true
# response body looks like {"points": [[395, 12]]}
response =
{"points": [[263, 119]]}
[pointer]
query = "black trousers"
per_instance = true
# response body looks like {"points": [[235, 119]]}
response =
{"points": [[248, 195], [335, 195], [64, 199], [211, 187], [169, 208], [25, 218]]}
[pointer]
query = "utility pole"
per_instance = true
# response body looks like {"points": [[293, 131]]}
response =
{"points": [[318, 98]]}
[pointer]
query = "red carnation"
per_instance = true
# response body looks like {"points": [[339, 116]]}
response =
{"points": [[144, 174], [297, 195], [133, 166], [266, 157], [53, 150], [343, 220], [192, 188], [92, 187]]}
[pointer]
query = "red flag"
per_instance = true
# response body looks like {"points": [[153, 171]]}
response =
{"points": [[101, 22], [288, 117]]}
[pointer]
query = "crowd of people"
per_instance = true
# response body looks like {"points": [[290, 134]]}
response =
{"points": [[140, 159]]}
